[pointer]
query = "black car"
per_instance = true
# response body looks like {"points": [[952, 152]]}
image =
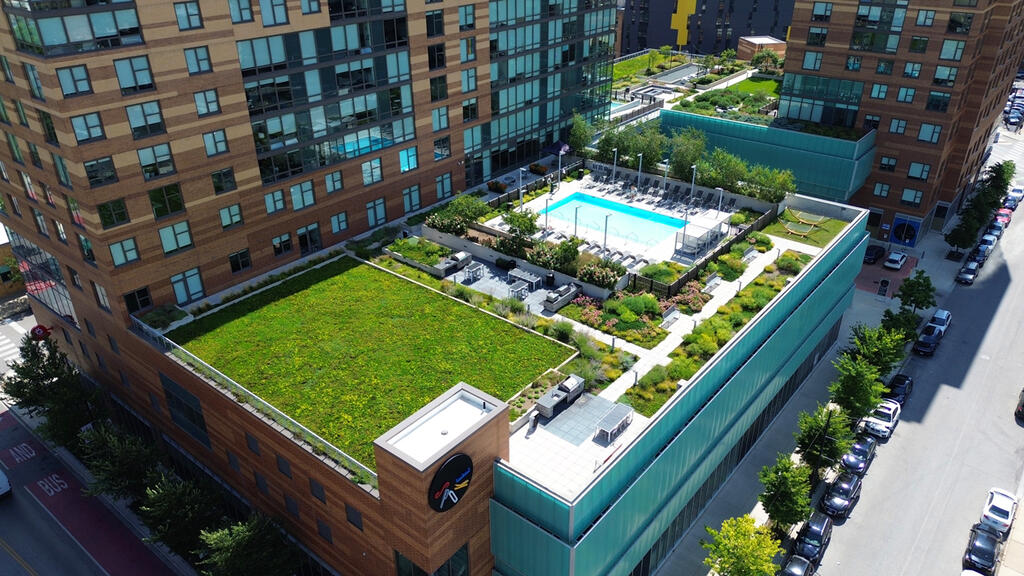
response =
{"points": [[928, 341], [797, 566], [873, 254], [982, 549], [1010, 203], [978, 256], [899, 388], [841, 496], [859, 457], [814, 537], [1019, 412]]}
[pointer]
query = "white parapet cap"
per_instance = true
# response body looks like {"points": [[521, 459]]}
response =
{"points": [[437, 427]]}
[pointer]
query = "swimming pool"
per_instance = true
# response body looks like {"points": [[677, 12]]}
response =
{"points": [[617, 105], [626, 222]]}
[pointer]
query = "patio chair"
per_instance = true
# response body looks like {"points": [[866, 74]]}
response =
{"points": [[731, 204], [698, 198]]}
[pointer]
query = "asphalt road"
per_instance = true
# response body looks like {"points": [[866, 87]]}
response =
{"points": [[957, 437]]}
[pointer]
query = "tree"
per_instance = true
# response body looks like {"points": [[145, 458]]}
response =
{"points": [[122, 465], [688, 146], [917, 291], [765, 60], [721, 169], [857, 389], [651, 143], [962, 236], [255, 547], [787, 491], [903, 322], [741, 548], [177, 511], [729, 55], [521, 227], [882, 347], [581, 134], [608, 142], [823, 437]]}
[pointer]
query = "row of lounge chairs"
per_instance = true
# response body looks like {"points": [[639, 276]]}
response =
{"points": [[650, 188]]}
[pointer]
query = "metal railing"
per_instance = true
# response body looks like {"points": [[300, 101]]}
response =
{"points": [[346, 465]]}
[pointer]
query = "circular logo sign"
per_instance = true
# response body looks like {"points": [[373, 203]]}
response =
{"points": [[450, 483], [39, 332]]}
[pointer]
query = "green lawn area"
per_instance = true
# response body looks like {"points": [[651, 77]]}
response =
{"points": [[350, 351], [821, 235], [765, 86], [638, 66]]}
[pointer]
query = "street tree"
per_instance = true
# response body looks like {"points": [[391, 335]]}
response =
{"points": [[962, 236], [822, 437], [256, 546], [177, 511], [903, 322], [581, 134], [122, 465], [857, 388], [787, 488], [917, 291], [741, 548], [882, 347]]}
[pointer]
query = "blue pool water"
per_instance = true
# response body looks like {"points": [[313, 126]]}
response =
{"points": [[626, 222], [617, 105]]}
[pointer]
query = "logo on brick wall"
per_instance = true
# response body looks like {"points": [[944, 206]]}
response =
{"points": [[450, 483]]}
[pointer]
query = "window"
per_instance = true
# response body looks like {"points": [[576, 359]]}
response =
{"points": [[231, 216], [145, 119], [185, 410], [411, 198], [945, 75], [166, 201], [435, 23], [952, 50], [354, 517], [309, 238], [438, 88], [175, 237], [30, 189], [467, 50], [6, 65], [918, 44], [371, 172], [469, 110], [40, 221], [888, 163], [240, 260], [468, 80], [76, 280], [435, 56], [12, 145], [14, 205], [138, 300], [960, 23], [912, 70], [853, 63], [233, 461], [324, 530], [87, 127], [906, 94], [223, 180], [443, 185], [965, 2], [273, 12], [332, 182], [821, 12], [188, 286], [937, 101], [133, 74], [929, 133], [407, 159], [310, 6], [439, 118], [884, 67], [49, 132], [812, 61], [76, 215], [124, 252], [22, 118], [467, 17], [302, 195], [74, 81], [339, 222], [911, 197], [879, 91], [282, 244], [216, 142], [59, 227], [198, 60], [90, 328], [188, 15], [274, 201], [241, 11], [101, 296], [283, 466], [897, 126], [919, 171], [156, 161], [289, 503], [375, 212], [871, 121], [206, 103], [925, 17], [35, 87], [252, 443], [100, 171], [317, 490], [881, 190], [816, 36]]}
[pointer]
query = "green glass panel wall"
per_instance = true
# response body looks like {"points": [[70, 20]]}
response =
{"points": [[525, 548], [537, 505]]}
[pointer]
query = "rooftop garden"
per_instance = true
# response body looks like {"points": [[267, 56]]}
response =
{"points": [[742, 102], [806, 228], [630, 71], [350, 351]]}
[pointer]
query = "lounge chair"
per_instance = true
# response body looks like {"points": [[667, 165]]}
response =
{"points": [[731, 204]]}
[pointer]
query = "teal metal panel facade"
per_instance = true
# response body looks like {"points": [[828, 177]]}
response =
{"points": [[613, 523], [828, 168], [526, 548]]}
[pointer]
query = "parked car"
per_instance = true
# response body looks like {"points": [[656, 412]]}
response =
{"points": [[999, 510], [1004, 213], [989, 241], [882, 420], [982, 550], [928, 341], [995, 229], [1017, 194], [969, 273], [873, 254], [941, 319], [797, 566], [978, 257], [899, 389], [841, 496], [861, 453], [1010, 204], [895, 261], [814, 538], [1019, 412]]}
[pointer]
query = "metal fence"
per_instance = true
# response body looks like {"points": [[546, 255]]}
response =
{"points": [[346, 465], [512, 194]]}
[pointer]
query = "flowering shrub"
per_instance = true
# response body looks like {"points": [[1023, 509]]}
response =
{"points": [[598, 275], [539, 169], [613, 316], [495, 186], [689, 300]]}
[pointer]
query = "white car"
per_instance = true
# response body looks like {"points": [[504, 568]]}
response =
{"points": [[941, 320], [1017, 194], [896, 260], [999, 510], [882, 420]]}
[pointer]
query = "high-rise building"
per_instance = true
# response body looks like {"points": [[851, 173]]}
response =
{"points": [[931, 78], [700, 27]]}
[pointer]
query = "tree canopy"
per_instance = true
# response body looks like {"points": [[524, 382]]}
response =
{"points": [[917, 291], [741, 548], [857, 389], [882, 347], [787, 488], [822, 437]]}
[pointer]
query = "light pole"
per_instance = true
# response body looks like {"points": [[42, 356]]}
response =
{"points": [[693, 183], [639, 170], [720, 192], [521, 170], [605, 245], [615, 160], [575, 219], [560, 152]]}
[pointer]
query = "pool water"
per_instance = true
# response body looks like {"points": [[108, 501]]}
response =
{"points": [[626, 222], [617, 105]]}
